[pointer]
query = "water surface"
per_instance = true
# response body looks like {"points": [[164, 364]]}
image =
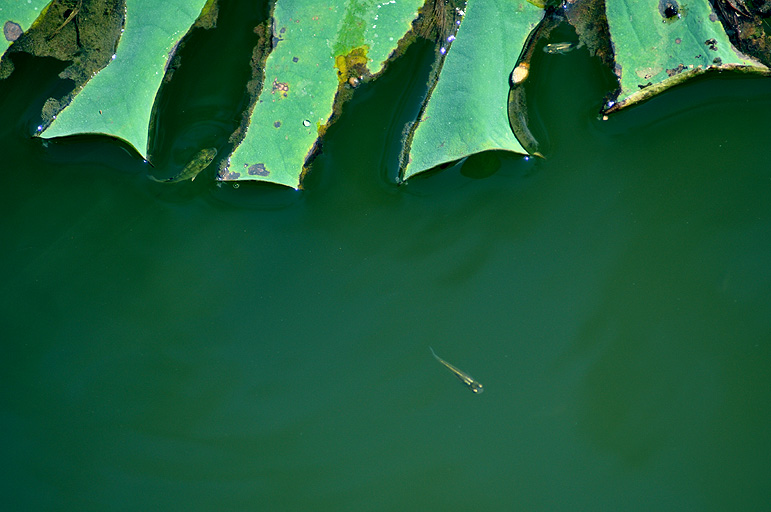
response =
{"points": [[202, 347]]}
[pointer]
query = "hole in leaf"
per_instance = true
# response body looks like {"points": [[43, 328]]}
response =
{"points": [[669, 8]]}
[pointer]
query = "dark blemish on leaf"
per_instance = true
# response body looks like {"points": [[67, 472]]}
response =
{"points": [[646, 85], [258, 170], [717, 61], [669, 9], [295, 59], [713, 17], [276, 38], [676, 71], [277, 124], [12, 31], [281, 87], [678, 41], [617, 69], [228, 175], [711, 44]]}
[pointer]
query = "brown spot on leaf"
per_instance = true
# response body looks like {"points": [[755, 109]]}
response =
{"points": [[676, 71], [276, 34], [281, 87], [295, 59], [277, 124], [228, 175], [12, 31], [258, 170]]}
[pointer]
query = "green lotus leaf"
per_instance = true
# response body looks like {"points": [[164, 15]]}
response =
{"points": [[467, 111], [660, 44], [118, 100], [320, 49], [315, 54]]}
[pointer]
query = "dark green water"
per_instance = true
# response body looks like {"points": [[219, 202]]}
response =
{"points": [[198, 347]]}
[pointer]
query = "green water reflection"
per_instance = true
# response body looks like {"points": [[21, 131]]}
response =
{"points": [[212, 348]]}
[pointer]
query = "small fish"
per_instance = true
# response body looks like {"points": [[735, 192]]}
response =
{"points": [[464, 377], [200, 161], [560, 48]]}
